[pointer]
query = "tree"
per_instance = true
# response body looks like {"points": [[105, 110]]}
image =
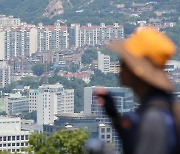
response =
{"points": [[61, 142], [88, 56], [38, 69]]}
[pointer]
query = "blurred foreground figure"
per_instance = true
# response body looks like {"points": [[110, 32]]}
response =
{"points": [[151, 129]]}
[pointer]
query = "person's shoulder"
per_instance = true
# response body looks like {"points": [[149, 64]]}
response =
{"points": [[153, 118]]}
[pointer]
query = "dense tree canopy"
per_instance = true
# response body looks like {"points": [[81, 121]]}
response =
{"points": [[38, 69], [61, 142]]}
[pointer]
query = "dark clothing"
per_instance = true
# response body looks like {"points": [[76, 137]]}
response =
{"points": [[151, 129]]}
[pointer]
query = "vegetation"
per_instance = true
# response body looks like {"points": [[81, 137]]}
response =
{"points": [[89, 55], [38, 69], [61, 142], [82, 11], [28, 10]]}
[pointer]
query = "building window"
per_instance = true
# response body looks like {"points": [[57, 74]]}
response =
{"points": [[102, 130], [102, 136], [108, 136], [9, 144], [17, 137], [13, 138], [17, 144], [13, 144], [22, 137], [108, 130], [4, 145], [22, 144], [0, 138], [26, 137], [9, 138], [4, 138]]}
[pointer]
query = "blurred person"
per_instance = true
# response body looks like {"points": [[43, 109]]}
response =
{"points": [[151, 129]]}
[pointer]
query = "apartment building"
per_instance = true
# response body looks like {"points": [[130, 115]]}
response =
{"points": [[52, 37], [12, 138], [5, 73], [53, 100], [92, 35], [17, 41]]}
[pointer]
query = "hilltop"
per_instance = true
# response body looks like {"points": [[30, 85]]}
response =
{"points": [[82, 11]]}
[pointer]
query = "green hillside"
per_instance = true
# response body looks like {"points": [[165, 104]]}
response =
{"points": [[82, 11], [28, 10]]}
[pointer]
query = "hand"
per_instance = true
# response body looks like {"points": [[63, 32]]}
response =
{"points": [[100, 92]]}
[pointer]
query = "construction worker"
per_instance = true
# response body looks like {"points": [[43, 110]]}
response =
{"points": [[151, 129]]}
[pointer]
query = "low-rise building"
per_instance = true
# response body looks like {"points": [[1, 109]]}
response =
{"points": [[16, 104], [12, 138], [87, 122]]}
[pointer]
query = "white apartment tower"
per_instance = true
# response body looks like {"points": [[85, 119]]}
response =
{"points": [[103, 62], [53, 100], [12, 138], [5, 74], [17, 41], [52, 37], [91, 35]]}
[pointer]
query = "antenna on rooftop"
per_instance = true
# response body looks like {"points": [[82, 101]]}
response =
{"points": [[46, 67]]}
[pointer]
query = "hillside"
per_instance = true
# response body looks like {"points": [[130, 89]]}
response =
{"points": [[82, 11]]}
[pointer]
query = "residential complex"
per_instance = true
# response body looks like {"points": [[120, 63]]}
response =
{"points": [[91, 35], [12, 138], [17, 41], [22, 40], [52, 37]]}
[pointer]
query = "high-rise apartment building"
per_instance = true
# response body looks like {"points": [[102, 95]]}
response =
{"points": [[12, 138], [52, 37], [53, 100], [92, 35], [17, 41], [124, 103], [103, 62], [16, 104], [5, 74]]}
